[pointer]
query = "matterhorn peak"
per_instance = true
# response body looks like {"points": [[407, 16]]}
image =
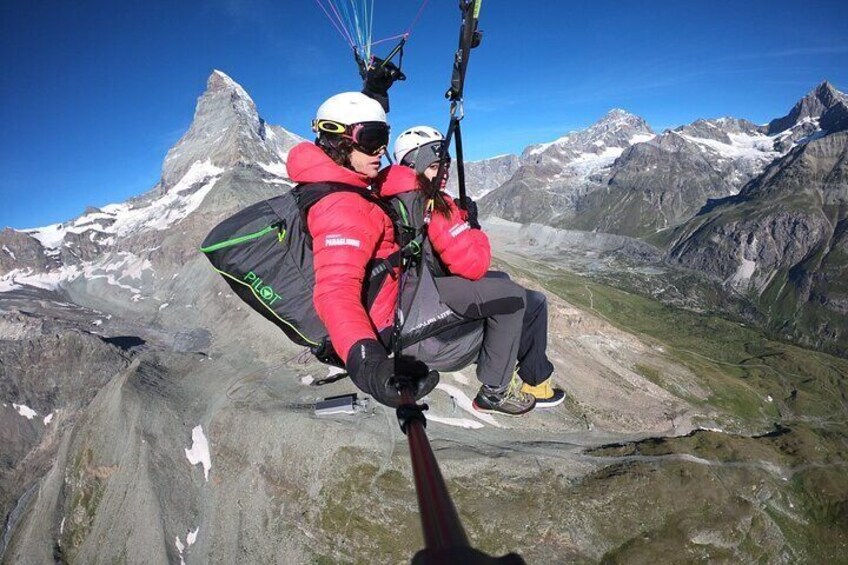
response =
{"points": [[225, 130], [221, 81]]}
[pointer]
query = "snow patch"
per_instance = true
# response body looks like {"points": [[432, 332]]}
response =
{"points": [[333, 371], [746, 268], [125, 218], [276, 169], [9, 251], [25, 411], [48, 418], [50, 236], [460, 378], [191, 537], [464, 402], [641, 138], [307, 380], [199, 452], [456, 422], [113, 268], [756, 147]]}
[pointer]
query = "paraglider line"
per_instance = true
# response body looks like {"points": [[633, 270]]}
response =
{"points": [[400, 36], [332, 21], [417, 16]]}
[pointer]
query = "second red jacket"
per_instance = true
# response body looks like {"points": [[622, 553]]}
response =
{"points": [[465, 252]]}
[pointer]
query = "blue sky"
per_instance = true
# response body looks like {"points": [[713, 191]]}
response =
{"points": [[94, 93]]}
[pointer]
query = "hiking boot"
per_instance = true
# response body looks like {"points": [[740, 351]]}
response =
{"points": [[510, 400], [546, 395]]}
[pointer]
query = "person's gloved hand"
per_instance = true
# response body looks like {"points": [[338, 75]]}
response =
{"points": [[377, 77], [471, 209], [373, 372]]}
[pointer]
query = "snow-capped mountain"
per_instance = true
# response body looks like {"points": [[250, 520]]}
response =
{"points": [[825, 109], [782, 239], [617, 130], [615, 177], [665, 181], [553, 176], [227, 131], [227, 142]]}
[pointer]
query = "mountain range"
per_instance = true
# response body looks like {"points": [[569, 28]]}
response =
{"points": [[760, 208], [147, 412]]}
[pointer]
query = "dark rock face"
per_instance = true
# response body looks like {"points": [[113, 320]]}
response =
{"points": [[21, 251], [54, 369], [811, 107], [782, 240]]}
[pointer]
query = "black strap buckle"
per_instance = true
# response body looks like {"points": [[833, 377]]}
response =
{"points": [[406, 413]]}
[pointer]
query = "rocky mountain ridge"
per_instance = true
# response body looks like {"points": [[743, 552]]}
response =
{"points": [[228, 142], [657, 182]]}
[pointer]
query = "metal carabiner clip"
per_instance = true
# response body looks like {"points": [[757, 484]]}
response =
{"points": [[457, 109]]}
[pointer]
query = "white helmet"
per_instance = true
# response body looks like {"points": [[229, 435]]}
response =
{"points": [[408, 144], [349, 108]]}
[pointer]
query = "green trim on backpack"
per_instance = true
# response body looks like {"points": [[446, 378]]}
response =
{"points": [[241, 239], [261, 301]]}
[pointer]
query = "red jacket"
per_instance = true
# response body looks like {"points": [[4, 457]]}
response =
{"points": [[347, 232], [464, 251]]}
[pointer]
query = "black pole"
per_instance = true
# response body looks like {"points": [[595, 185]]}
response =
{"points": [[445, 540], [469, 38], [439, 519], [460, 166]]}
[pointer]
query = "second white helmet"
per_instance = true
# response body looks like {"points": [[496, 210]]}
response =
{"points": [[409, 143]]}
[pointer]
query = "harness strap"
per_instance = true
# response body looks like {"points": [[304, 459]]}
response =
{"points": [[469, 38]]}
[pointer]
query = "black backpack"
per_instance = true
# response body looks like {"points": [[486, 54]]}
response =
{"points": [[264, 252]]}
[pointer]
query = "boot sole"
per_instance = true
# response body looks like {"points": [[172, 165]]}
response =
{"points": [[544, 403]]}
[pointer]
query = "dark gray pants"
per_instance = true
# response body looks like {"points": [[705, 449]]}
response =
{"points": [[499, 304], [507, 324]]}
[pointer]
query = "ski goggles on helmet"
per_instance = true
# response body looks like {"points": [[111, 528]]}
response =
{"points": [[420, 159], [371, 138]]}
